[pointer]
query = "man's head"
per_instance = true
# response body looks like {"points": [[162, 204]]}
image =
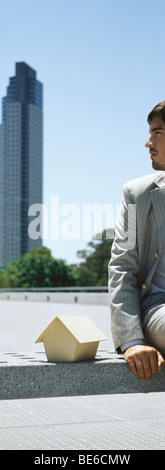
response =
{"points": [[156, 141], [157, 111]]}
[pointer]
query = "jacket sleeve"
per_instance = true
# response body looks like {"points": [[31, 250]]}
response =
{"points": [[123, 277]]}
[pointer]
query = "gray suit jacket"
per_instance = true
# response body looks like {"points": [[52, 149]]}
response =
{"points": [[132, 266]]}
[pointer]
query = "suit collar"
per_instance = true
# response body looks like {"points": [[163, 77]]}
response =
{"points": [[160, 180]]}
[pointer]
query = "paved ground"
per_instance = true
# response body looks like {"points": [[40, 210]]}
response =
{"points": [[22, 322], [105, 422]]}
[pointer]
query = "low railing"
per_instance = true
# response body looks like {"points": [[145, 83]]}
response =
{"points": [[56, 289]]}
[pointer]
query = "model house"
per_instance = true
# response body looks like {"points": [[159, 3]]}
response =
{"points": [[71, 338]]}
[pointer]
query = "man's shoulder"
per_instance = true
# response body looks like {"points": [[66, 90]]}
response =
{"points": [[143, 183]]}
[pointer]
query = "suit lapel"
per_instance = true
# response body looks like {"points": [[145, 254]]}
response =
{"points": [[158, 202]]}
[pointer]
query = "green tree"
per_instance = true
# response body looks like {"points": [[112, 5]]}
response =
{"points": [[38, 268], [94, 269], [3, 279]]}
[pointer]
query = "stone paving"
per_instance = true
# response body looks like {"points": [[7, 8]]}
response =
{"points": [[104, 422], [96, 422], [23, 321]]}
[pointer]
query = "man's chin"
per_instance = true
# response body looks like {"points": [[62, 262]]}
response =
{"points": [[157, 166]]}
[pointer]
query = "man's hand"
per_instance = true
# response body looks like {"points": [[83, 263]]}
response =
{"points": [[144, 361]]}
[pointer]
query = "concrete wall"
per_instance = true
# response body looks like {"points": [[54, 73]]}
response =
{"points": [[90, 298]]}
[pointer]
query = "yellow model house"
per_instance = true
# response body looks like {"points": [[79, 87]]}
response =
{"points": [[71, 338]]}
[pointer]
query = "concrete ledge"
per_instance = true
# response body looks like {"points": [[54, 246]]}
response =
{"points": [[90, 298], [29, 375]]}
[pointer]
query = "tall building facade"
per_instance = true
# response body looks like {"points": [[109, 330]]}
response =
{"points": [[21, 161]]}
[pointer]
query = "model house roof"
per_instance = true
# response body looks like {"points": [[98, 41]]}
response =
{"points": [[80, 326]]}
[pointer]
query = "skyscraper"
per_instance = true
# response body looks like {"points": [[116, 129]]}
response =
{"points": [[21, 154]]}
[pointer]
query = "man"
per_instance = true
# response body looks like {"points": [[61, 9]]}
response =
{"points": [[137, 264]]}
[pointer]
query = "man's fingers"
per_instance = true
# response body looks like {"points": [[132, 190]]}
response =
{"points": [[161, 360], [143, 361], [136, 367], [141, 368], [132, 367], [153, 361]]}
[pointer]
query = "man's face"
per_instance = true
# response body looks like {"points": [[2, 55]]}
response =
{"points": [[156, 143]]}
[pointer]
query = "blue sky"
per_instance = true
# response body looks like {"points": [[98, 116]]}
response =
{"points": [[102, 64]]}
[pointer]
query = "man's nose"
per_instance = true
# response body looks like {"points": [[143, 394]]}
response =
{"points": [[149, 143]]}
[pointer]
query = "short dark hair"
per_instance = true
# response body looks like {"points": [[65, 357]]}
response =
{"points": [[157, 111]]}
